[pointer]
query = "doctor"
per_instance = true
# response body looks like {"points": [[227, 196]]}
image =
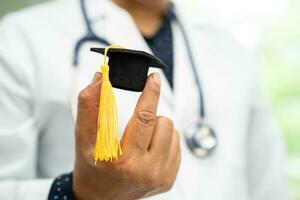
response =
{"points": [[45, 64]]}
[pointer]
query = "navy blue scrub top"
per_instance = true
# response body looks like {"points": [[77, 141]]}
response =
{"points": [[161, 44]]}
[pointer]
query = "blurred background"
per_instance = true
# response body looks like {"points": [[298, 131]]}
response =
{"points": [[270, 29]]}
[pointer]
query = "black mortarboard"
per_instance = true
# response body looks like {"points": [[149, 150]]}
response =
{"points": [[128, 69]]}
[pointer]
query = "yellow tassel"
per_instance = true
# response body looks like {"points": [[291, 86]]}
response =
{"points": [[107, 146]]}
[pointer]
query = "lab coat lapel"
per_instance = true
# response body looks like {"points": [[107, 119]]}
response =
{"points": [[186, 96]]}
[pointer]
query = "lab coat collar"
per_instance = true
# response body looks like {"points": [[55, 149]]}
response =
{"points": [[98, 9]]}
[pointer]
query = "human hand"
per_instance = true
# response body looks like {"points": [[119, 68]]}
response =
{"points": [[150, 145]]}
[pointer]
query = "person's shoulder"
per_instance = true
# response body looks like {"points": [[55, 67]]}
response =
{"points": [[220, 44], [39, 15], [35, 27], [217, 37], [222, 41]]}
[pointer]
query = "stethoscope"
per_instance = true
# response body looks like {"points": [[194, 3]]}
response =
{"points": [[200, 137]]}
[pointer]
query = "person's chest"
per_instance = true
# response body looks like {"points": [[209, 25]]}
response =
{"points": [[225, 107], [226, 104]]}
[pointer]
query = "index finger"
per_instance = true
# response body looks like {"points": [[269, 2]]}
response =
{"points": [[140, 128]]}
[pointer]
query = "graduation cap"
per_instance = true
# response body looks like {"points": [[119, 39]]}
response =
{"points": [[128, 69]]}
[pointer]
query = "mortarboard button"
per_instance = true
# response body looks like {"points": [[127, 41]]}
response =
{"points": [[128, 69]]}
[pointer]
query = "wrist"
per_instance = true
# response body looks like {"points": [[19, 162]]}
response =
{"points": [[86, 186], [82, 187]]}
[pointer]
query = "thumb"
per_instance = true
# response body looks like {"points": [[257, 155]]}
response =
{"points": [[87, 111], [139, 130]]}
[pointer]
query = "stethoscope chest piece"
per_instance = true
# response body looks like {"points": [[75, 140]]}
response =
{"points": [[201, 139]]}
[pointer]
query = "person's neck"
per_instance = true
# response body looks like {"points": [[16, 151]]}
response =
{"points": [[148, 18]]}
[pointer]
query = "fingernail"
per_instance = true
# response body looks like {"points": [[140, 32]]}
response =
{"points": [[96, 78], [156, 78]]}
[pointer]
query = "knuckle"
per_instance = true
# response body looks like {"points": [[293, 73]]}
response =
{"points": [[166, 122], [154, 89], [176, 141], [167, 183], [127, 168], [152, 180], [78, 131], [176, 136], [146, 117], [176, 132], [83, 99], [179, 157]]}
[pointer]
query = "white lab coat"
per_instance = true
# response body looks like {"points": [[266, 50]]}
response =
{"points": [[38, 82]]}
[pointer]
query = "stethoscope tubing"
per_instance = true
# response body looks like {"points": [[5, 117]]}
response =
{"points": [[89, 37], [193, 65]]}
